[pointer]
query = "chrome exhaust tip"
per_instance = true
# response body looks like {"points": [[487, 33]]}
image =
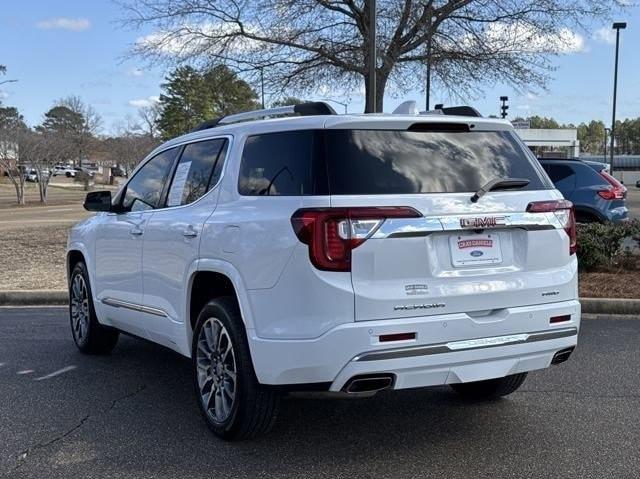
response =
{"points": [[369, 383], [562, 355]]}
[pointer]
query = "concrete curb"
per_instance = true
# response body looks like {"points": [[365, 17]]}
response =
{"points": [[594, 306], [34, 298], [607, 306]]}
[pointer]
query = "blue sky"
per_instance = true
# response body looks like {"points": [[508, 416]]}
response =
{"points": [[57, 48]]}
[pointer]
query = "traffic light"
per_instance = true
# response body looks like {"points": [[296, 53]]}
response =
{"points": [[504, 107]]}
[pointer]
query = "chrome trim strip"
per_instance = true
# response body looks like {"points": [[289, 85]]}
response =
{"points": [[467, 345], [154, 311], [118, 303], [416, 227]]}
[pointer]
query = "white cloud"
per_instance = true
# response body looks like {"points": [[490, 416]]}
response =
{"points": [[62, 23], [144, 102], [3, 95], [524, 107], [525, 38], [135, 72], [605, 35]]}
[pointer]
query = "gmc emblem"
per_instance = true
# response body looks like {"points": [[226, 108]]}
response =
{"points": [[486, 222]]}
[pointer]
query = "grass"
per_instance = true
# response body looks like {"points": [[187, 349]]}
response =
{"points": [[33, 257]]}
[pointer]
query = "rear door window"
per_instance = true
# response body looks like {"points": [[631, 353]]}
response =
{"points": [[378, 162], [279, 164], [198, 170]]}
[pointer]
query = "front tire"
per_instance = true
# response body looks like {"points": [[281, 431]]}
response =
{"points": [[490, 388], [89, 335], [231, 400]]}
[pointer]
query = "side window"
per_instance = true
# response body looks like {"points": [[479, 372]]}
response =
{"points": [[278, 164], [563, 176], [144, 190], [198, 169]]}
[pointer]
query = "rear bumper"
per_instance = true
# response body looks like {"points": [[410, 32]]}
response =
{"points": [[447, 348]]}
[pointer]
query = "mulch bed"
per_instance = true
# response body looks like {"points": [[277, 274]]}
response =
{"points": [[623, 284]]}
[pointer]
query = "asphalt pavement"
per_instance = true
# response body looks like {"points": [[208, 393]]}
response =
{"points": [[133, 414]]}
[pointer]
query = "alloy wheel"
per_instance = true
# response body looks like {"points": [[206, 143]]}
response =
{"points": [[217, 373], [79, 308]]}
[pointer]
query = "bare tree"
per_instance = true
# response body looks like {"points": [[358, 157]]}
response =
{"points": [[9, 161], [148, 116], [303, 44], [128, 148], [47, 149], [89, 126]]}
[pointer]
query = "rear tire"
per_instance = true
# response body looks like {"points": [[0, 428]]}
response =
{"points": [[490, 388], [233, 403], [90, 336]]}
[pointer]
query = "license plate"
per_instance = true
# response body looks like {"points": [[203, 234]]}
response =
{"points": [[475, 249]]}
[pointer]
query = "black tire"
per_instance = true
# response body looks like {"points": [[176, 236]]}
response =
{"points": [[90, 336], [254, 407], [491, 388]]}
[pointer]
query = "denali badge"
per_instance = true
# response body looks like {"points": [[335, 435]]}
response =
{"points": [[486, 222], [411, 307]]}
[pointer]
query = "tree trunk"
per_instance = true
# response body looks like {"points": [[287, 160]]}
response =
{"points": [[42, 187], [19, 191], [381, 84]]}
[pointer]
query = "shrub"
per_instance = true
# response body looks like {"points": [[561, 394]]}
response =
{"points": [[600, 246]]}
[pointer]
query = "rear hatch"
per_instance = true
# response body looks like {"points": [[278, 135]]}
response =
{"points": [[425, 247]]}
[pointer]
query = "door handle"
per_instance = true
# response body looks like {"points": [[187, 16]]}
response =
{"points": [[190, 232], [135, 231]]}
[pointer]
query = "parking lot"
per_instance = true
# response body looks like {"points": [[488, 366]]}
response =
{"points": [[133, 414]]}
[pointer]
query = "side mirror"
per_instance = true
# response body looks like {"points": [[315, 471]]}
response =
{"points": [[98, 201]]}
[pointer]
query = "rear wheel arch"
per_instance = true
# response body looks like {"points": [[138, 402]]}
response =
{"points": [[205, 286], [587, 215]]}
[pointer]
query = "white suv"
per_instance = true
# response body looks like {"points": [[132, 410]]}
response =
{"points": [[341, 253]]}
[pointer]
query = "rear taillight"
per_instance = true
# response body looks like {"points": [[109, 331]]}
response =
{"points": [[332, 233], [617, 191], [563, 210]]}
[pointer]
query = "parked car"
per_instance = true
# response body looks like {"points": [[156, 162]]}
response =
{"points": [[597, 196], [64, 170], [324, 252], [638, 184], [31, 175]]}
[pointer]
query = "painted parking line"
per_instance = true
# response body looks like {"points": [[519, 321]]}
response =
{"points": [[56, 373], [25, 371], [2, 364]]}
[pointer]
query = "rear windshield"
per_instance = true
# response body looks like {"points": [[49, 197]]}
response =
{"points": [[378, 162]]}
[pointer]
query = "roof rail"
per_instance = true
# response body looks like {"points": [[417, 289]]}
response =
{"points": [[302, 109]]}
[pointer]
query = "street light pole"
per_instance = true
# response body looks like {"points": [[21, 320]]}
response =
{"points": [[606, 133], [345, 105], [428, 92], [617, 27], [371, 99], [262, 85]]}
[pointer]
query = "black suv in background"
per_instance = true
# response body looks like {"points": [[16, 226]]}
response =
{"points": [[596, 195]]}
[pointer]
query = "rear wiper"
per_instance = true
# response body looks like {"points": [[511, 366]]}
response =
{"points": [[500, 184]]}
